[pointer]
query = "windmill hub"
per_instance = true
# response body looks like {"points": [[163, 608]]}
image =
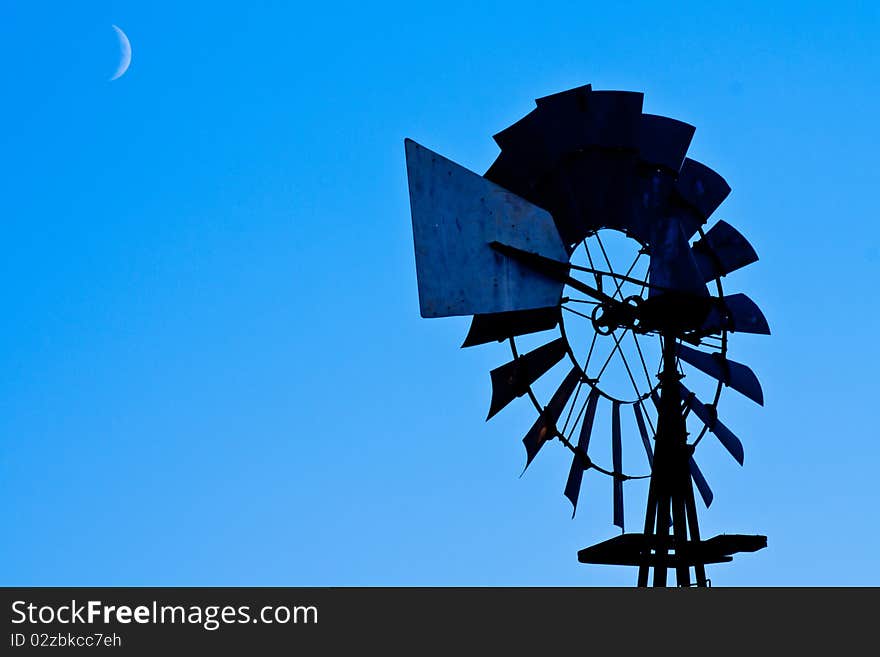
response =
{"points": [[536, 251], [607, 317]]}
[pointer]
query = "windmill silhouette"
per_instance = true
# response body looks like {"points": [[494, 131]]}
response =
{"points": [[582, 169]]}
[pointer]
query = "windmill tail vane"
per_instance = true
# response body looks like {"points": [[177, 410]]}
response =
{"points": [[526, 250]]}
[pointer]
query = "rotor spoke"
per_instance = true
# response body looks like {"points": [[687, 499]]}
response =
{"points": [[577, 419], [610, 268], [572, 310], [625, 278], [592, 265], [590, 353], [631, 267], [629, 372], [641, 403], [573, 404], [613, 349], [642, 359], [620, 280]]}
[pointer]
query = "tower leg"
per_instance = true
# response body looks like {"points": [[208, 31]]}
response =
{"points": [[650, 517], [662, 540], [683, 570], [694, 528]]}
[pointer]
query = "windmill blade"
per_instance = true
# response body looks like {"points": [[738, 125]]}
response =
{"points": [[663, 141], [578, 94], [709, 417], [617, 462], [592, 189], [519, 137], [672, 265], [736, 375], [650, 201], [560, 125], [581, 459], [593, 183], [566, 121], [455, 214], [701, 188], [691, 221], [608, 119], [511, 174], [722, 250], [525, 142], [576, 140], [614, 118], [744, 316], [737, 313], [643, 432], [544, 428], [495, 327], [701, 483], [513, 379]]}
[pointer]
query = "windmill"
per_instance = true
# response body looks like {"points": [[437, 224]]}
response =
{"points": [[526, 250]]}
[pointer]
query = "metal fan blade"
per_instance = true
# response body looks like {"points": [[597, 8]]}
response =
{"points": [[722, 250], [592, 137], [513, 379], [560, 125], [526, 142], [736, 375], [701, 188], [691, 221], [737, 313], [580, 459], [577, 94], [663, 141], [617, 463], [643, 432], [518, 136], [672, 265], [515, 176], [613, 119], [566, 121], [709, 417], [581, 118], [701, 483], [496, 327], [455, 214], [649, 203], [544, 428], [592, 189]]}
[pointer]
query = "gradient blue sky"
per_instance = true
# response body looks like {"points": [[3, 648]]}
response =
{"points": [[213, 367]]}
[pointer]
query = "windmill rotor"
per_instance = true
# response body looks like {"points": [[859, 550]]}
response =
{"points": [[526, 250]]}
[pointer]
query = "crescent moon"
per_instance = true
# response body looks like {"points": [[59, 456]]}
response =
{"points": [[125, 51]]}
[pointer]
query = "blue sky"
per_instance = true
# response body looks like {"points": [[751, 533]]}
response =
{"points": [[213, 367]]}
